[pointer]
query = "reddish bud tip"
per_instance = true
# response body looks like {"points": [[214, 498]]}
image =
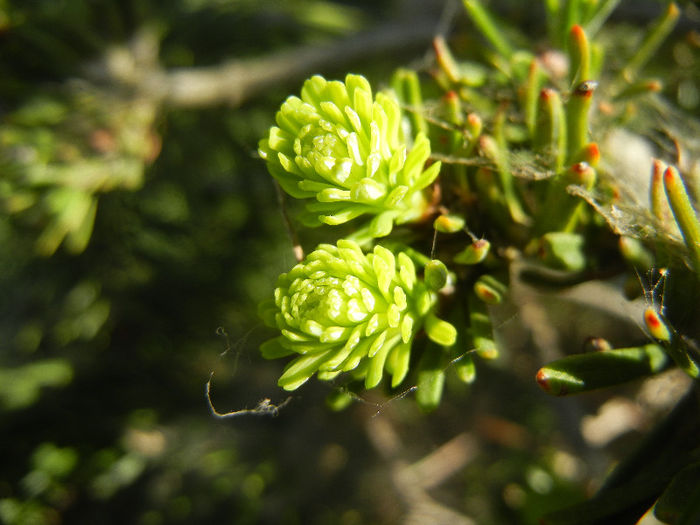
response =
{"points": [[546, 94], [451, 96], [654, 86], [485, 294], [542, 380], [657, 170], [657, 328], [591, 153], [670, 176], [474, 119], [652, 320], [577, 32]]}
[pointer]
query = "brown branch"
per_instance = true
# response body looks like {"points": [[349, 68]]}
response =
{"points": [[235, 81]]}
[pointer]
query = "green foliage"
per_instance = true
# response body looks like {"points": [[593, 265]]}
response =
{"points": [[21, 387], [338, 146], [526, 173], [135, 222]]}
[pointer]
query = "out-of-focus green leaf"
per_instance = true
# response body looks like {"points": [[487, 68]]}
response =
{"points": [[21, 386]]}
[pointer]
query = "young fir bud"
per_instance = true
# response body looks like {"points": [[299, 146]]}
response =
{"points": [[474, 253], [340, 310], [343, 148], [474, 125]]}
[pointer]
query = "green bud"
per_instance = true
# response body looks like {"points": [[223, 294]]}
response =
{"points": [[343, 148], [449, 223], [490, 290], [340, 310], [579, 54], [685, 355], [686, 217], [474, 126], [338, 400], [474, 253], [435, 276], [440, 331], [465, 369]]}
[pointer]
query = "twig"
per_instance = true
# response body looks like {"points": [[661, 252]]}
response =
{"points": [[235, 81], [265, 407]]}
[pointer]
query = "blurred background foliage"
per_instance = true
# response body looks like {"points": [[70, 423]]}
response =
{"points": [[139, 231]]}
